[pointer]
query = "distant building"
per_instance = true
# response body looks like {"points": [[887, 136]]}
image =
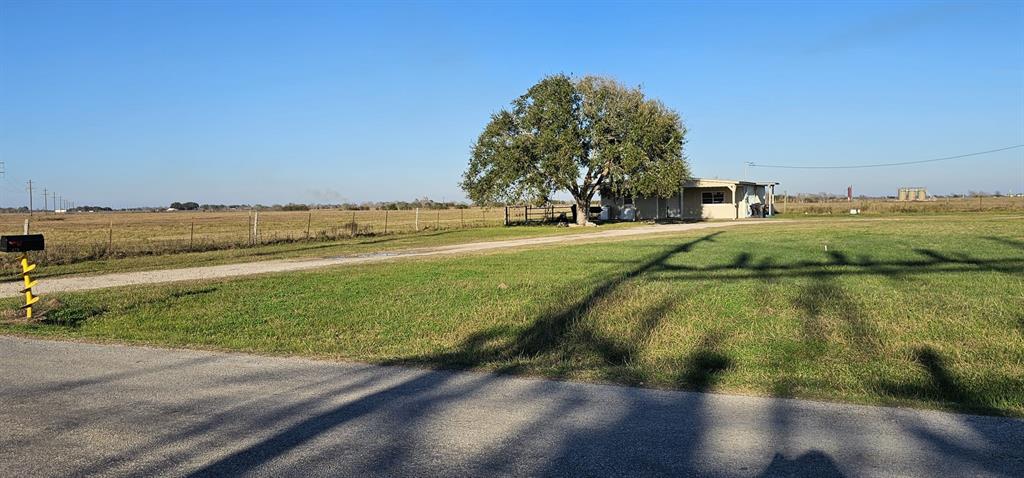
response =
{"points": [[912, 194]]}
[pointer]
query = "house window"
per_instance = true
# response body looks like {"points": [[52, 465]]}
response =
{"points": [[712, 198]]}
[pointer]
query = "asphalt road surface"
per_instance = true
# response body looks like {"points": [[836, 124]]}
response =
{"points": [[69, 409]]}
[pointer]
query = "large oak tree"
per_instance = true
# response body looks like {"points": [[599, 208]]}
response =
{"points": [[579, 136]]}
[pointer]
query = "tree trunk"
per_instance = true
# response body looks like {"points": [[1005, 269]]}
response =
{"points": [[582, 211]]}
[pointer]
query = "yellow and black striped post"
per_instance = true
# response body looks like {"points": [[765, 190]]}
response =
{"points": [[29, 284], [24, 244]]}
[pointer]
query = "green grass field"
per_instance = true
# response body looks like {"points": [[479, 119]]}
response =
{"points": [[299, 249], [917, 311]]}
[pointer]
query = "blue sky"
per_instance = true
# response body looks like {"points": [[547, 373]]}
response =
{"points": [[143, 103]]}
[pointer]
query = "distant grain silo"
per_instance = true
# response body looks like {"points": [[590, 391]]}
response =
{"points": [[912, 194]]}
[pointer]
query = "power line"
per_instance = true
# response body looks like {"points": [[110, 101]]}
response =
{"points": [[880, 165]]}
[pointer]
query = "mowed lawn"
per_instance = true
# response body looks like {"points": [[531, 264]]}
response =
{"points": [[920, 311], [292, 250]]}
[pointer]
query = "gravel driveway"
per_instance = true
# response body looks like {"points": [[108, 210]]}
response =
{"points": [[86, 282]]}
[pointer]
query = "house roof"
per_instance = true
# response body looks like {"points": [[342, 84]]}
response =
{"points": [[705, 182]]}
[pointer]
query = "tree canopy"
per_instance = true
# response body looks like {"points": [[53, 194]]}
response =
{"points": [[187, 206], [578, 136]]}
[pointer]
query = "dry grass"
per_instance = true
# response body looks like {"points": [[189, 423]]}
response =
{"points": [[882, 207], [80, 237]]}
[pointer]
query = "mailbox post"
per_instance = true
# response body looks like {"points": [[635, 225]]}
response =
{"points": [[24, 244]]}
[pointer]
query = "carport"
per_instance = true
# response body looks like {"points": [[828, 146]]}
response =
{"points": [[699, 199]]}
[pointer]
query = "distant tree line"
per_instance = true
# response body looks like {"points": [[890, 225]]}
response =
{"points": [[422, 203], [91, 209]]}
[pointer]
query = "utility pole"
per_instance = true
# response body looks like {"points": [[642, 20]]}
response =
{"points": [[45, 206], [53, 195], [29, 197]]}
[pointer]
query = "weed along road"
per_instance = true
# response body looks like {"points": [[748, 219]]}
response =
{"points": [[68, 284], [73, 409]]}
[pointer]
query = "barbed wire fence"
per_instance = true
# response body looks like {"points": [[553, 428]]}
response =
{"points": [[81, 236]]}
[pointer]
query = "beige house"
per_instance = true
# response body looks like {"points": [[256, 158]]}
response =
{"points": [[697, 199]]}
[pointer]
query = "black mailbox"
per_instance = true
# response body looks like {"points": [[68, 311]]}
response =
{"points": [[28, 242]]}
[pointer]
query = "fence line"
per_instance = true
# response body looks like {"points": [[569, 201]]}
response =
{"points": [[83, 236], [796, 205], [540, 214]]}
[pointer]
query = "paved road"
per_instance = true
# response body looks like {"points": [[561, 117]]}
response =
{"points": [[79, 409], [65, 284]]}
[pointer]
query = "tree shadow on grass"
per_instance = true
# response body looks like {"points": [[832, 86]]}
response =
{"points": [[941, 386], [823, 300], [829, 318], [566, 332], [704, 366], [1006, 241], [740, 268]]}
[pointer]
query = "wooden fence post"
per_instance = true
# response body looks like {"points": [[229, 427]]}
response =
{"points": [[110, 238], [309, 219], [437, 221], [385, 221], [354, 226], [416, 226], [191, 234], [462, 217]]}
